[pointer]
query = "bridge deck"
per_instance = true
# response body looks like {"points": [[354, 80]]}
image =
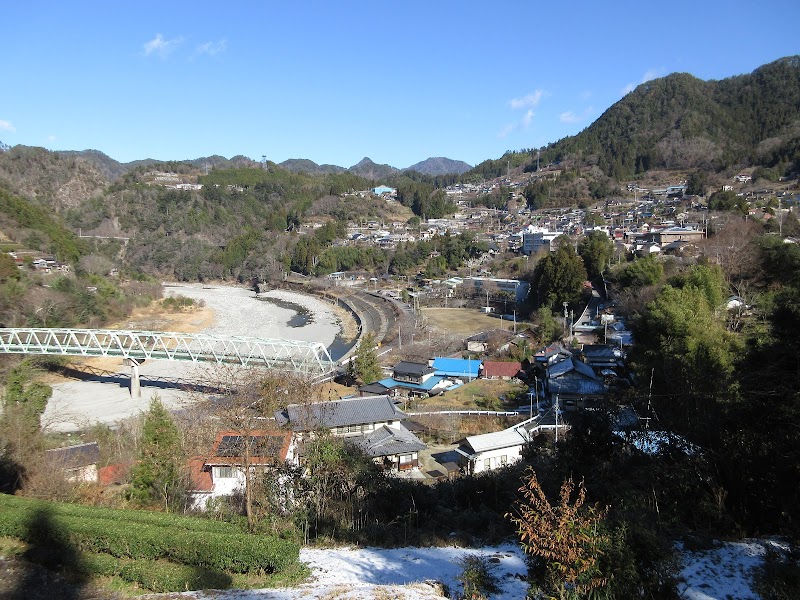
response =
{"points": [[309, 358]]}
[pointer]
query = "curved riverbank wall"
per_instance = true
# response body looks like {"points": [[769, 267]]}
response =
{"points": [[304, 288], [372, 312]]}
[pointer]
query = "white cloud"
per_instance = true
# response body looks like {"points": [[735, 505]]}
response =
{"points": [[571, 117], [648, 76], [528, 118], [51, 138], [212, 48], [6, 126], [161, 46], [528, 101], [568, 117], [506, 130]]}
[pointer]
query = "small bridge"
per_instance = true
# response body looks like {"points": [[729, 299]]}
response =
{"points": [[304, 358]]}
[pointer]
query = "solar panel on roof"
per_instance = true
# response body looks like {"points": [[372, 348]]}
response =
{"points": [[260, 445]]}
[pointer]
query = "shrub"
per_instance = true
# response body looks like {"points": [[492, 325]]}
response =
{"points": [[477, 577], [123, 538]]}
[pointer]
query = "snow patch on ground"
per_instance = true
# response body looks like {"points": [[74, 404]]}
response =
{"points": [[397, 573], [722, 572]]}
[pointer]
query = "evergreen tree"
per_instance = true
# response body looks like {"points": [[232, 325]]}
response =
{"points": [[596, 250], [367, 367], [559, 276], [158, 474]]}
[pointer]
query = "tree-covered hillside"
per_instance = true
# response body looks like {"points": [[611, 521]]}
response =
{"points": [[681, 122]]}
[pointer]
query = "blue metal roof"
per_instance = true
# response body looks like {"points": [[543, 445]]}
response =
{"points": [[456, 367], [429, 384]]}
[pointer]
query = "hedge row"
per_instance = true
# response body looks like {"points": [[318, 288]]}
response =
{"points": [[156, 576], [118, 514], [41, 523]]}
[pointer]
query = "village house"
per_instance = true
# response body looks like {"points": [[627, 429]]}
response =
{"points": [[480, 453], [574, 385], [78, 463], [222, 473], [410, 379], [372, 423], [500, 370]]}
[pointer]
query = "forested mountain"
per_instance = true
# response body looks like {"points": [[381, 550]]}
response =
{"points": [[367, 168], [440, 166], [681, 122], [59, 181], [303, 165], [370, 170]]}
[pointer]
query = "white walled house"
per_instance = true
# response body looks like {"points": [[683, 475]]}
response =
{"points": [[372, 423], [77, 463], [222, 473], [491, 450]]}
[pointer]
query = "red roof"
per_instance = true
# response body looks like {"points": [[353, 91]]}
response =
{"points": [[114, 474], [200, 476], [501, 369]]}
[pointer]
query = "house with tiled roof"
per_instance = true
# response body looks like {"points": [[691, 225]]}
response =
{"points": [[574, 384], [408, 379], [372, 423], [500, 370], [222, 472], [78, 463]]}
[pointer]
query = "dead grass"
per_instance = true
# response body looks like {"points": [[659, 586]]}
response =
{"points": [[157, 318], [481, 394], [151, 318], [463, 321]]}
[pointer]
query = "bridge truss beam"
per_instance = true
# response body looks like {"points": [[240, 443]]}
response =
{"points": [[307, 358]]}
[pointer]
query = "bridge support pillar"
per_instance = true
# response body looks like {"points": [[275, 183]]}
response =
{"points": [[136, 385]]}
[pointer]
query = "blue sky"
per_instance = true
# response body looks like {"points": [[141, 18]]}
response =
{"points": [[336, 81]]}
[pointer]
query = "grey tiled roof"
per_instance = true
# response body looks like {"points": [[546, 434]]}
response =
{"points": [[577, 386], [387, 441], [73, 457], [339, 413], [412, 368]]}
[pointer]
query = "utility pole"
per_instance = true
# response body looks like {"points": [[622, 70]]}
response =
{"points": [[556, 418]]}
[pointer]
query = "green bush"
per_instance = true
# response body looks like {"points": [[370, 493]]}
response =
{"points": [[171, 521], [126, 537], [166, 577]]}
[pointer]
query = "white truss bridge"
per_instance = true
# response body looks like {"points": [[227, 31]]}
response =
{"points": [[305, 358]]}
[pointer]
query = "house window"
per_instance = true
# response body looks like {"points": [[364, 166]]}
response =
{"points": [[405, 459], [225, 472], [504, 460], [487, 464]]}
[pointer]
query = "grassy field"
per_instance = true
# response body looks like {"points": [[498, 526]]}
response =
{"points": [[463, 321], [483, 394]]}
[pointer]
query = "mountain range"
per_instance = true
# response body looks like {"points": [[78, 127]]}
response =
{"points": [[677, 122]]}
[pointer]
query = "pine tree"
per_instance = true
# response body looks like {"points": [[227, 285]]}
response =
{"points": [[366, 362], [158, 474]]}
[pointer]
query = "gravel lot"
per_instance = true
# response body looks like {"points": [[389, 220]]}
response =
{"points": [[237, 311]]}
